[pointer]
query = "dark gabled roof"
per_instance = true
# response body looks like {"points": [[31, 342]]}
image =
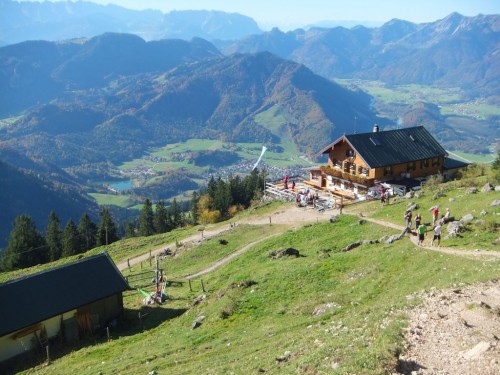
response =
{"points": [[393, 147], [40, 296], [454, 163]]}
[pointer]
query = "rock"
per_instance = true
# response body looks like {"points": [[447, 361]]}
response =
{"points": [[483, 213], [333, 218], [419, 194], [454, 228], [351, 246], [409, 195], [414, 207], [480, 222], [477, 351], [369, 242], [467, 218], [497, 188], [197, 322], [471, 190], [487, 188], [286, 252], [361, 221], [495, 203], [199, 299], [451, 200], [284, 357]]}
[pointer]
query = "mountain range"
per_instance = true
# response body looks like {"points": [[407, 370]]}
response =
{"points": [[53, 21], [73, 109], [454, 51]]}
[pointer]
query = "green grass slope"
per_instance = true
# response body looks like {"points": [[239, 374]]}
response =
{"points": [[325, 312]]}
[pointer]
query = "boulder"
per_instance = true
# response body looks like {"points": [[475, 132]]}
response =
{"points": [[290, 251], [409, 195], [467, 218], [454, 228], [483, 213], [471, 190], [198, 322], [487, 188], [495, 203], [351, 246]]}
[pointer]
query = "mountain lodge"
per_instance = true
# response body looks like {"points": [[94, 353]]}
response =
{"points": [[358, 162]]}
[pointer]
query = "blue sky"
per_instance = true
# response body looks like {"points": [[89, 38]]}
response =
{"points": [[289, 14]]}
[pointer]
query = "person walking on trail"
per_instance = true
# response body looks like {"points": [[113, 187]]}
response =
{"points": [[418, 220], [421, 234], [408, 216], [437, 234], [435, 214], [387, 196]]}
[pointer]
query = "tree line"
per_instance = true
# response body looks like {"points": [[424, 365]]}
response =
{"points": [[220, 200]]}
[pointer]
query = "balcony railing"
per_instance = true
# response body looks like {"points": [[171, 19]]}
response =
{"points": [[359, 179]]}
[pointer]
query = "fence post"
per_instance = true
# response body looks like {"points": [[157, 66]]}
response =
{"points": [[190, 287]]}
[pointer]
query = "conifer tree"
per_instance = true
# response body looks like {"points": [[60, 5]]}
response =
{"points": [[222, 199], [194, 207], [106, 229], [87, 232], [176, 215], [146, 219], [71, 240], [26, 247], [53, 237], [211, 187], [161, 218], [129, 230]]}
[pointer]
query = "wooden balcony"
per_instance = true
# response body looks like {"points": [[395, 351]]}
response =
{"points": [[356, 179]]}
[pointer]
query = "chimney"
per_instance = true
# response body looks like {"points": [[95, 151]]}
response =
{"points": [[375, 128]]}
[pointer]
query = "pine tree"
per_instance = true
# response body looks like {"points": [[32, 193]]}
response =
{"points": [[71, 240], [176, 215], [87, 232], [211, 187], [129, 230], [146, 219], [161, 219], [106, 229], [194, 208], [53, 237], [26, 247], [222, 199]]}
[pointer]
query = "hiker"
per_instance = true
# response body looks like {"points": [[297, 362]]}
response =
{"points": [[293, 184], [418, 219], [382, 196], [447, 216], [437, 234], [285, 180], [408, 216], [421, 234], [435, 214], [387, 197]]}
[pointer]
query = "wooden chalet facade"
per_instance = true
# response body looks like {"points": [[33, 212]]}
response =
{"points": [[357, 162], [65, 302]]}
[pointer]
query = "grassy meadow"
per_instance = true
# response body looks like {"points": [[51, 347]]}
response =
{"points": [[324, 312]]}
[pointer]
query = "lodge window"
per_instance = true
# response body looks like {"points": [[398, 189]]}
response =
{"points": [[435, 162], [346, 166], [387, 171], [360, 169], [353, 168], [336, 163], [424, 163], [410, 166]]}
